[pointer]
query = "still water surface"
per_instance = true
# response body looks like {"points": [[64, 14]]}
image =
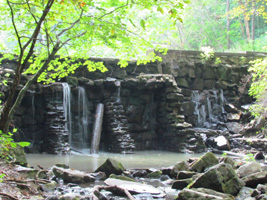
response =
{"points": [[89, 163]]}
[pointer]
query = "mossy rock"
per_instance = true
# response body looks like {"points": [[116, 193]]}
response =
{"points": [[204, 162], [155, 175], [121, 177], [111, 166], [221, 178]]}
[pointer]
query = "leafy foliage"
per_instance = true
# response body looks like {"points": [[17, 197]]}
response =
{"points": [[7, 143], [258, 87]]}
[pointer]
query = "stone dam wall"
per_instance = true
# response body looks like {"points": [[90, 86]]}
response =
{"points": [[174, 105]]}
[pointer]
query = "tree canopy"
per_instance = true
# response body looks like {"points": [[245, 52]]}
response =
{"points": [[46, 36]]}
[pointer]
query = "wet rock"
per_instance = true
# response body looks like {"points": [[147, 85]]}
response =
{"points": [[254, 179], [221, 178], [72, 176], [111, 166], [203, 194], [207, 160], [181, 184], [248, 169]]}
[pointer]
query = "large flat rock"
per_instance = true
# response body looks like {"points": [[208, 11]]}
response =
{"points": [[134, 187]]}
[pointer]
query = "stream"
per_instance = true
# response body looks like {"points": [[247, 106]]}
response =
{"points": [[90, 162]]}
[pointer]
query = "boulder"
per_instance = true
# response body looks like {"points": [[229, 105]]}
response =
{"points": [[185, 174], [135, 187], [181, 184], [111, 166], [248, 169], [221, 178], [234, 127], [222, 143], [207, 160], [229, 161], [203, 194], [72, 176], [180, 166], [254, 179], [19, 156]]}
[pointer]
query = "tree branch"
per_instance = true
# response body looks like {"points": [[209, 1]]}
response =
{"points": [[113, 11], [77, 36], [14, 25], [31, 12], [35, 34], [71, 26]]}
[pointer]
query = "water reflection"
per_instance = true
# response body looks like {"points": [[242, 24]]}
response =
{"points": [[141, 159]]}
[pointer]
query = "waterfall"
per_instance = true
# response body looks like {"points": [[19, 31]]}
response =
{"points": [[199, 110], [208, 107], [222, 101], [67, 109], [82, 119], [118, 84]]}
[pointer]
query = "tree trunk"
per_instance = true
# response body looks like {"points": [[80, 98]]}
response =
{"points": [[7, 112], [228, 23], [245, 21], [5, 122], [253, 19]]}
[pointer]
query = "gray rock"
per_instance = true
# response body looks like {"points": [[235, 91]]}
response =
{"points": [[254, 179], [134, 187], [233, 117], [222, 143], [244, 193], [248, 169], [234, 127], [229, 160], [207, 160], [185, 174], [221, 178], [181, 184], [180, 166], [111, 166], [203, 194], [72, 176]]}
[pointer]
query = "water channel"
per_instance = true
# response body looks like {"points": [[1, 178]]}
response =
{"points": [[90, 162]]}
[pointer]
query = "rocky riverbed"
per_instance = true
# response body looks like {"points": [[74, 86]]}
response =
{"points": [[207, 177]]}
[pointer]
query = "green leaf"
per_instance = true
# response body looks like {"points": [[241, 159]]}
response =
{"points": [[24, 144], [160, 10], [143, 24]]}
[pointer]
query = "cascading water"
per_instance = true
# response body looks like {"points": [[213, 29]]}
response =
{"points": [[209, 107], [82, 119], [67, 109]]}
